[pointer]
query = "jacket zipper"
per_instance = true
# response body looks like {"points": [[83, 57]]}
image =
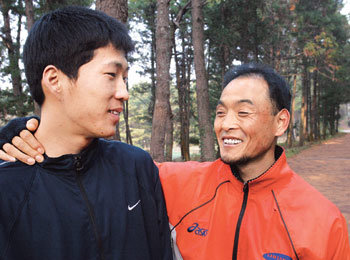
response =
{"points": [[78, 168], [239, 222]]}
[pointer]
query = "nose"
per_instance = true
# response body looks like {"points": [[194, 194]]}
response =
{"points": [[229, 122], [121, 92]]}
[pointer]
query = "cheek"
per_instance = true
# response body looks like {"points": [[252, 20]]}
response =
{"points": [[217, 126], [262, 134], [257, 129]]}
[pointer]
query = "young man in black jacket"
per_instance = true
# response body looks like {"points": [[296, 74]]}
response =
{"points": [[89, 198]]}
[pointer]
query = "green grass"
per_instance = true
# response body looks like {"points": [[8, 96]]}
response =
{"points": [[296, 149]]}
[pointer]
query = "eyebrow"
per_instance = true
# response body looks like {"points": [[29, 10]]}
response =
{"points": [[246, 101], [117, 64], [238, 102]]}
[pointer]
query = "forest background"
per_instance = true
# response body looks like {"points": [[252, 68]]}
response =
{"points": [[183, 49]]}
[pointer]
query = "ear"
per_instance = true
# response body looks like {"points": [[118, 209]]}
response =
{"points": [[282, 122], [51, 80]]}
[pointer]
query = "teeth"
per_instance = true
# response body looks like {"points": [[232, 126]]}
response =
{"points": [[114, 112], [232, 141]]}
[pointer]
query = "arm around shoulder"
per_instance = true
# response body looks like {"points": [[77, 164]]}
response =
{"points": [[163, 221], [154, 208]]}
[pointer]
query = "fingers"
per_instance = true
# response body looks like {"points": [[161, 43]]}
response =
{"points": [[24, 147], [4, 156], [29, 139], [28, 145], [32, 124], [14, 152]]}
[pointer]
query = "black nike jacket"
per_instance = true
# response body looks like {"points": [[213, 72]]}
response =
{"points": [[104, 203]]}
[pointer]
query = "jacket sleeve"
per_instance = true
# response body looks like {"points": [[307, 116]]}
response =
{"points": [[338, 242], [155, 213], [13, 128]]}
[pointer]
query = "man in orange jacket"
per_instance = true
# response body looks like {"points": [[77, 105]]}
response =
{"points": [[248, 204]]}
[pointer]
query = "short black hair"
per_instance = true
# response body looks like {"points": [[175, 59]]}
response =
{"points": [[67, 39], [278, 87]]}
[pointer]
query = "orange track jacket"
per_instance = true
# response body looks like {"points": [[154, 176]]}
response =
{"points": [[275, 216]]}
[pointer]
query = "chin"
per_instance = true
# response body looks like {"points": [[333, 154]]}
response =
{"points": [[105, 133], [109, 135], [227, 159], [228, 156], [239, 161]]}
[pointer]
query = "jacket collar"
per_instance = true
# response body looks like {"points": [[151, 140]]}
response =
{"points": [[278, 174], [72, 162]]}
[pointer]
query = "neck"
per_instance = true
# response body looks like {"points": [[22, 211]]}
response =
{"points": [[56, 136], [257, 166]]}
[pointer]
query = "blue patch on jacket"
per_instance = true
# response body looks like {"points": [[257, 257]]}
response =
{"points": [[275, 256]]}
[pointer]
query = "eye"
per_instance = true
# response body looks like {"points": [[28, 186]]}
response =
{"points": [[125, 79], [220, 113], [111, 74], [243, 113]]}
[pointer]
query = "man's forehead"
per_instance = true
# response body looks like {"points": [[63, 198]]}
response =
{"points": [[249, 87], [253, 77], [246, 89], [110, 56]]}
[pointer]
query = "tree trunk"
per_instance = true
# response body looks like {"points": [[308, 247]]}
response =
{"points": [[303, 117], [127, 126], [225, 47], [204, 120], [153, 71], [29, 10], [163, 55], [324, 121], [169, 126], [332, 120], [225, 50], [115, 8], [117, 133], [314, 112], [319, 112], [169, 137], [182, 88], [292, 109], [308, 107], [188, 60]]}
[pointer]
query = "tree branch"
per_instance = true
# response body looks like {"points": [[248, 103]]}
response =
{"points": [[204, 3], [181, 13]]}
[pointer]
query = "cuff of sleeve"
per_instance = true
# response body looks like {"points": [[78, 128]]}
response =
{"points": [[13, 128]]}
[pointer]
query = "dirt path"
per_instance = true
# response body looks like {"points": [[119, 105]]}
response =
{"points": [[327, 167]]}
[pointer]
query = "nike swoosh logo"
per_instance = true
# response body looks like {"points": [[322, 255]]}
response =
{"points": [[133, 206]]}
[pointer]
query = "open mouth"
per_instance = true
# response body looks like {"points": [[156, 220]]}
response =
{"points": [[114, 112], [232, 141]]}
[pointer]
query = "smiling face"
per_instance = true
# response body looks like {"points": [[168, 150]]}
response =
{"points": [[246, 125], [92, 102]]}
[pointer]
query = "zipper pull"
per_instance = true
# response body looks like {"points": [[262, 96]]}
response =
{"points": [[77, 163]]}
